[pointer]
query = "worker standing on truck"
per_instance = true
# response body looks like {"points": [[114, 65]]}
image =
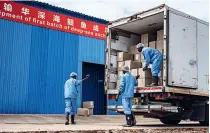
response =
{"points": [[127, 85], [70, 94], [154, 57]]}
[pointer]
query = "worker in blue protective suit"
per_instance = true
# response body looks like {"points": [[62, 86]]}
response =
{"points": [[154, 57], [70, 94], [127, 85]]}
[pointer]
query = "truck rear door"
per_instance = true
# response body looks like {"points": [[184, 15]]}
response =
{"points": [[182, 50]]}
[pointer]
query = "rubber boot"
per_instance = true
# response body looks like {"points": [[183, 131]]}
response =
{"points": [[128, 121], [67, 119], [154, 81], [133, 119], [72, 119]]}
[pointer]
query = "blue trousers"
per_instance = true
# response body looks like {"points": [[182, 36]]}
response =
{"points": [[127, 105], [71, 106], [156, 64]]}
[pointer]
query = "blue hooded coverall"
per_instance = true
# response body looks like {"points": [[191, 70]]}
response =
{"points": [[154, 57], [127, 85], [70, 94]]}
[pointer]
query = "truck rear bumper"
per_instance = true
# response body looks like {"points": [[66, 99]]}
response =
{"points": [[139, 109]]}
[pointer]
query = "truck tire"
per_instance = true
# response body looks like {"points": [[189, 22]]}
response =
{"points": [[170, 122], [206, 122]]}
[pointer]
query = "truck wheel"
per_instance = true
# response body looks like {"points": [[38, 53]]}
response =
{"points": [[170, 122], [206, 122]]}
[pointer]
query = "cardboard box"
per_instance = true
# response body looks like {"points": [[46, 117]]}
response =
{"points": [[145, 74], [133, 64], [83, 112], [128, 63], [160, 35], [134, 72], [159, 44], [91, 111], [122, 56], [137, 57], [144, 82], [119, 74], [152, 44], [88, 104], [132, 50], [113, 77], [144, 38], [146, 44], [120, 65]]}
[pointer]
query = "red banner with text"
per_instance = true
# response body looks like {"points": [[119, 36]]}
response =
{"points": [[43, 18]]}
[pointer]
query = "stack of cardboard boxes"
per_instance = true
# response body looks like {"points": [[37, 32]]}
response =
{"points": [[135, 60], [87, 109]]}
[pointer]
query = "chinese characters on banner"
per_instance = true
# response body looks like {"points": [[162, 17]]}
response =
{"points": [[43, 18]]}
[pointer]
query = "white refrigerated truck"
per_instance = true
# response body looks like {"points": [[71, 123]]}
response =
{"points": [[184, 94]]}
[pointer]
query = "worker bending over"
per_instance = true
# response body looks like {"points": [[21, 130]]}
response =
{"points": [[154, 57], [70, 94], [127, 84]]}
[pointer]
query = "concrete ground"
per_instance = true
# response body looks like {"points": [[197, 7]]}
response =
{"points": [[106, 124]]}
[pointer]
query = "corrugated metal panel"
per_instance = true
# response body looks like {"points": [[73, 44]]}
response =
{"points": [[92, 50], [92, 90], [36, 87], [15, 39]]}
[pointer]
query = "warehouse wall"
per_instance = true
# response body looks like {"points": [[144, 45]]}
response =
{"points": [[35, 62], [90, 50]]}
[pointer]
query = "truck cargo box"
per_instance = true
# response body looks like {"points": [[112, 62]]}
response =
{"points": [[185, 47]]}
